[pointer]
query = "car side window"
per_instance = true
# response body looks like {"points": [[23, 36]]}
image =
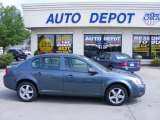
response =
{"points": [[76, 65], [55, 61], [36, 63], [107, 57], [50, 63], [102, 57]]}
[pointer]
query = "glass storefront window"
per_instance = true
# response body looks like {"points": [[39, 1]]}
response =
{"points": [[146, 46], [141, 46], [95, 44], [50, 43], [64, 44], [112, 43], [92, 45], [155, 46], [46, 43]]}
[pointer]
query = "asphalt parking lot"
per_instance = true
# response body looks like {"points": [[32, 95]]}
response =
{"points": [[146, 107]]}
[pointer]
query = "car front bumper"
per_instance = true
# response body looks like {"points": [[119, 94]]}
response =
{"points": [[138, 91]]}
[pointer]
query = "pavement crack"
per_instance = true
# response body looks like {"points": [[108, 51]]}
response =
{"points": [[131, 112]]}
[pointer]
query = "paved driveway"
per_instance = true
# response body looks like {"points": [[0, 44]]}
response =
{"points": [[75, 108]]}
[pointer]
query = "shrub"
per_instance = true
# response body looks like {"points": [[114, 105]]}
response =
{"points": [[5, 59], [156, 62], [36, 52]]}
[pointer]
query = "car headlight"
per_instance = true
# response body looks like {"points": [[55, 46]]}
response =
{"points": [[137, 81]]}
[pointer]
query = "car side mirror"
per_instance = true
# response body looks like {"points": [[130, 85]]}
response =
{"points": [[92, 71]]}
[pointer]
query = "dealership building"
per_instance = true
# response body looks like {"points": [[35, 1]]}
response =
{"points": [[95, 27]]}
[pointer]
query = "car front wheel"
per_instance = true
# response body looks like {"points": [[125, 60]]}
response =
{"points": [[116, 95], [17, 59], [27, 92]]}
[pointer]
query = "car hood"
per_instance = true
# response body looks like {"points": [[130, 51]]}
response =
{"points": [[120, 74]]}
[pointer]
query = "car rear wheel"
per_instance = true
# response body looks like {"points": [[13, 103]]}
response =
{"points": [[27, 92], [116, 95], [110, 67]]}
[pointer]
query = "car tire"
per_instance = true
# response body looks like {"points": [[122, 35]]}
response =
{"points": [[25, 58], [17, 59], [110, 67], [116, 95], [27, 92]]}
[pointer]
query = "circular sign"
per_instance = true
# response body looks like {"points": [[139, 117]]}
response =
{"points": [[45, 45]]}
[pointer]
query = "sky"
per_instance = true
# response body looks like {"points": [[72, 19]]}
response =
{"points": [[18, 3]]}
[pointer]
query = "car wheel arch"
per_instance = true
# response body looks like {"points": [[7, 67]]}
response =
{"points": [[122, 84], [27, 77], [27, 80]]}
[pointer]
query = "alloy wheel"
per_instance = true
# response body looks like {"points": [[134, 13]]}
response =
{"points": [[26, 92], [116, 95]]}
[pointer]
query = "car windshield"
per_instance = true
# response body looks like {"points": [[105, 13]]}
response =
{"points": [[97, 64], [122, 56]]}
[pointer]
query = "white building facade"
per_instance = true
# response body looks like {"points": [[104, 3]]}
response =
{"points": [[92, 28]]}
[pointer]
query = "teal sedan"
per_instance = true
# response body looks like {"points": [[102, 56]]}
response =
{"points": [[72, 75]]}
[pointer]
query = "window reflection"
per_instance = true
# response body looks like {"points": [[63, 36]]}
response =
{"points": [[95, 44]]}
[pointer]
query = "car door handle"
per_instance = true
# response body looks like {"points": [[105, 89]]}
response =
{"points": [[39, 73], [70, 76]]}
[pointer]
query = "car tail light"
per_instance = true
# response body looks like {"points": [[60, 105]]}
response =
{"points": [[6, 71], [123, 64]]}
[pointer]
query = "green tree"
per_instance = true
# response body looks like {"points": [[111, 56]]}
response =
{"points": [[12, 29]]}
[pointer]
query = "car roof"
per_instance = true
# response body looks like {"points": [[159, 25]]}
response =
{"points": [[113, 52], [59, 54], [14, 49]]}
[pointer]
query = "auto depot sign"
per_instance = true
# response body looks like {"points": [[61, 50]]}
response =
{"points": [[57, 18], [92, 18]]}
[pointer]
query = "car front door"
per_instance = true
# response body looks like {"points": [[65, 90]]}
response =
{"points": [[49, 75], [77, 79]]}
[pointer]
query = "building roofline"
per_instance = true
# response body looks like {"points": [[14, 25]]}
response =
{"points": [[91, 5]]}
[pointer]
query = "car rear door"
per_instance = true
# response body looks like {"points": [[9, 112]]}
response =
{"points": [[77, 79], [49, 74]]}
